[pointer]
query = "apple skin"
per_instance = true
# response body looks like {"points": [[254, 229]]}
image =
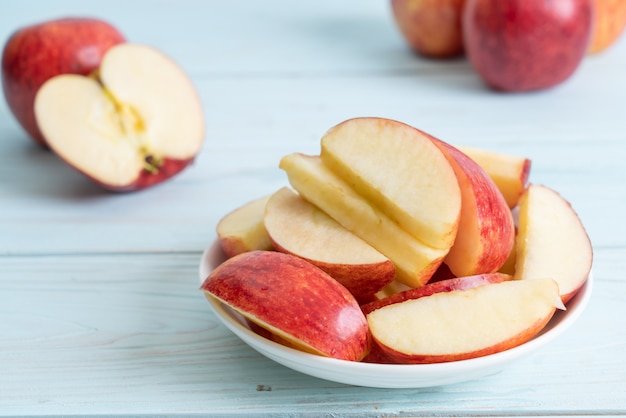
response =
{"points": [[431, 27], [36, 53], [447, 285], [293, 299], [522, 45], [609, 23], [486, 232], [168, 168]]}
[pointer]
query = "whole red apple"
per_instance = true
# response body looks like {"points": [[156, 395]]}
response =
{"points": [[36, 53], [430, 27], [523, 45]]}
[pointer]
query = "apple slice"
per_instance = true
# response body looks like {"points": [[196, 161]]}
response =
{"points": [[401, 171], [243, 229], [486, 231], [297, 227], [552, 241], [464, 324], [509, 172], [414, 261], [293, 299], [139, 122], [448, 285]]}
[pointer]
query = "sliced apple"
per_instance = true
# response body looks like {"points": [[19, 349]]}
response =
{"points": [[414, 261], [243, 229], [509, 172], [552, 241], [400, 170], [299, 228], [136, 122], [294, 300], [486, 231], [464, 324], [447, 285]]}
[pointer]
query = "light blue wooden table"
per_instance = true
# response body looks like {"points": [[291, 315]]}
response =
{"points": [[99, 309]]}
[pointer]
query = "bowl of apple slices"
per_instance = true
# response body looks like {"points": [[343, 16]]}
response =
{"points": [[397, 260]]}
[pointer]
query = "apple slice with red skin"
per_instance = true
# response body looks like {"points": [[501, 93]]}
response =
{"points": [[447, 285], [400, 170], [33, 54], [509, 172], [298, 228], [414, 261], [137, 124], [293, 299], [465, 324], [552, 241], [243, 229], [486, 232]]}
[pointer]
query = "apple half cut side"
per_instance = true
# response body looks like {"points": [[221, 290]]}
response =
{"points": [[464, 324], [243, 229], [293, 299], [448, 285], [551, 241], [509, 172], [137, 122], [486, 231], [299, 228]]}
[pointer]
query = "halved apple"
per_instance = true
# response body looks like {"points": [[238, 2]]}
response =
{"points": [[414, 261], [509, 172], [464, 324], [243, 229], [447, 285], [552, 241], [486, 231], [294, 300], [401, 171], [136, 122], [297, 227]]}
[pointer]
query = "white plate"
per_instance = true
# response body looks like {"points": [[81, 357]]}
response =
{"points": [[388, 375]]}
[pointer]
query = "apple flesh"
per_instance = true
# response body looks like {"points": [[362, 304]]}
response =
{"points": [[464, 324], [297, 227], [34, 54], [243, 229], [522, 45], [448, 285], [293, 299], [430, 27], [609, 22], [552, 241], [486, 232], [414, 261], [400, 170], [139, 123], [510, 173]]}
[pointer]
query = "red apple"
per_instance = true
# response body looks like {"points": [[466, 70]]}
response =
{"points": [[36, 53], [136, 124], [430, 27], [293, 299], [448, 285], [522, 45]]}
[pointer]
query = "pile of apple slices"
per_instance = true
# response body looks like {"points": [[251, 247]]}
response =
{"points": [[393, 246]]}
